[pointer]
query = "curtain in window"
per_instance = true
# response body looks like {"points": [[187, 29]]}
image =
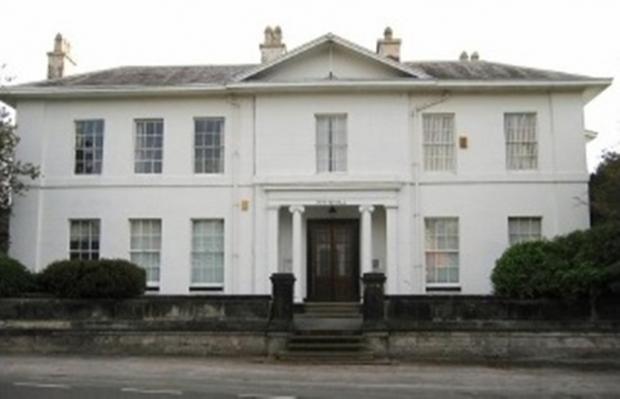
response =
{"points": [[331, 143], [442, 250], [149, 141], [145, 247], [439, 142], [521, 229], [521, 142], [208, 252], [209, 145]]}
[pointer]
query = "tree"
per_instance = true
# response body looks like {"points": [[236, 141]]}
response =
{"points": [[605, 190], [13, 173]]}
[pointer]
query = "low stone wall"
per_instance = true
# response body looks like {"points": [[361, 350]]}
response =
{"points": [[485, 328], [420, 312], [158, 325]]}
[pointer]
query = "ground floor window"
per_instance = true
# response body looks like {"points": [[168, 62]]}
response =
{"points": [[521, 229], [207, 252], [84, 239], [145, 247], [442, 250]]}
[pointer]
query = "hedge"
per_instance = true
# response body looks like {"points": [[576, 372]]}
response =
{"points": [[15, 278], [104, 278], [581, 264]]}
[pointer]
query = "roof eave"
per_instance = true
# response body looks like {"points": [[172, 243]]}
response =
{"points": [[591, 88]]}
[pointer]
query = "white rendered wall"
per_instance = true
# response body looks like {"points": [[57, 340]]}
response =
{"points": [[384, 157]]}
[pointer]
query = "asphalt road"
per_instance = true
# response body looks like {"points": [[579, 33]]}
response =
{"points": [[112, 377]]}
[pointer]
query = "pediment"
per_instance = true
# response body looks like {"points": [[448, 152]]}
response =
{"points": [[329, 58]]}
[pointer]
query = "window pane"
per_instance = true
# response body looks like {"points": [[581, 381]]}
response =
{"points": [[148, 151], [208, 251], [84, 239], [439, 142], [145, 246], [209, 145], [88, 146], [522, 229], [521, 141], [442, 250], [331, 143]]}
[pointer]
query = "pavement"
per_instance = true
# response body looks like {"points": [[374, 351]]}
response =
{"points": [[62, 377]]}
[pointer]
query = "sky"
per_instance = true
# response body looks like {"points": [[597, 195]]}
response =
{"points": [[573, 36]]}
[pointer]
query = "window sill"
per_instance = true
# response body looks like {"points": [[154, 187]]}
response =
{"points": [[443, 288], [206, 288], [152, 288]]}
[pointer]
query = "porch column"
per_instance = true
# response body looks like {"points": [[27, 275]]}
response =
{"points": [[297, 211], [366, 211], [273, 238], [391, 247]]}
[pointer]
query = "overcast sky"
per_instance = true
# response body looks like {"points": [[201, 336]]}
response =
{"points": [[573, 36]]}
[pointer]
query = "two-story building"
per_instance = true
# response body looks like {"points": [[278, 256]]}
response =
{"points": [[327, 161]]}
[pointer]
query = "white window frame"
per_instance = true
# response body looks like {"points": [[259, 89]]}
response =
{"points": [[94, 149], [428, 146], [215, 285], [133, 251], [330, 147], [529, 220], [456, 251], [203, 147], [92, 222], [151, 161], [514, 163]]}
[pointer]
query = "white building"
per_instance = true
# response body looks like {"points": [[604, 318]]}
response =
{"points": [[327, 161]]}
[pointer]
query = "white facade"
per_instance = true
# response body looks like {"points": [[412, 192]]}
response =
{"points": [[270, 188]]}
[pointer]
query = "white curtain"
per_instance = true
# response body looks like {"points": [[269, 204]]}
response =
{"points": [[439, 142], [521, 142]]}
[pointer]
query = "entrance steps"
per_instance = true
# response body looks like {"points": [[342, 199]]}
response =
{"points": [[326, 332]]}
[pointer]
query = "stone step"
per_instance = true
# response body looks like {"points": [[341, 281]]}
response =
{"points": [[325, 346], [329, 338], [333, 357], [328, 315], [327, 324]]}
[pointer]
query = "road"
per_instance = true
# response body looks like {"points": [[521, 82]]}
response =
{"points": [[57, 377]]}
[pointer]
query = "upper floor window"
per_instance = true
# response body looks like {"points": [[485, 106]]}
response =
{"points": [[88, 146], [442, 250], [331, 143], [84, 239], [521, 141], [209, 145], [148, 150], [521, 229], [439, 142], [208, 252], [145, 247]]}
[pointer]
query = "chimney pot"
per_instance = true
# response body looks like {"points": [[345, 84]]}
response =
{"points": [[475, 56], [59, 61], [272, 47], [464, 56], [388, 46]]}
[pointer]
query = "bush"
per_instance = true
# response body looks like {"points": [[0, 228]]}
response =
{"points": [[104, 278], [524, 271], [15, 279], [577, 265]]}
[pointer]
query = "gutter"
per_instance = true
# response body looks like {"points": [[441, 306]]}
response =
{"points": [[14, 93]]}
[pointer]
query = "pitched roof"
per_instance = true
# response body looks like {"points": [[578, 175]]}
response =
{"points": [[224, 74]]}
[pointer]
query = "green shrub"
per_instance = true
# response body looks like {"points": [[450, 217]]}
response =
{"points": [[576, 265], [15, 279], [104, 278], [525, 271]]}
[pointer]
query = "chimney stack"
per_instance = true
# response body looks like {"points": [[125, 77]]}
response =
{"points": [[388, 46], [272, 47], [59, 61]]}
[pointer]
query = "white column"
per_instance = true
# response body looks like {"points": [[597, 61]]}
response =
{"points": [[297, 211], [273, 238], [391, 247], [366, 211]]}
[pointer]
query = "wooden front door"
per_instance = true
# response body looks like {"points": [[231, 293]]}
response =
{"points": [[333, 260]]}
